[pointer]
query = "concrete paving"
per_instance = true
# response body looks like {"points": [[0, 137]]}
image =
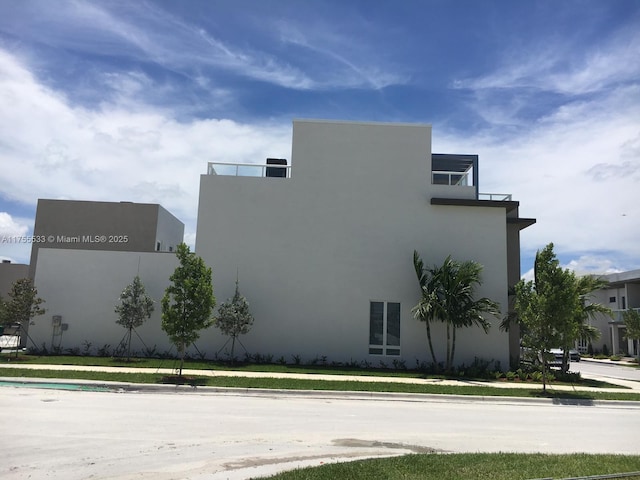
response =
{"points": [[125, 431], [200, 436]]}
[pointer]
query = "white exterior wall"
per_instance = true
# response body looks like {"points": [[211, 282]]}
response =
{"points": [[169, 231], [84, 287], [313, 250]]}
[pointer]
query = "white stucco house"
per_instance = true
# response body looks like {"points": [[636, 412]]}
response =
{"points": [[322, 243], [92, 251], [622, 293]]}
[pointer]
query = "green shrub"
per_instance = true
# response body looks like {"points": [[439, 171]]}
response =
{"points": [[536, 376]]}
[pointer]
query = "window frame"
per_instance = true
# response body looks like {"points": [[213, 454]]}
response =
{"points": [[389, 347]]}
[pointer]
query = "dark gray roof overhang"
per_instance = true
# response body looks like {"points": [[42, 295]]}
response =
{"points": [[506, 204]]}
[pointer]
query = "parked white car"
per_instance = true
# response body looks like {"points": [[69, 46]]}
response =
{"points": [[554, 356]]}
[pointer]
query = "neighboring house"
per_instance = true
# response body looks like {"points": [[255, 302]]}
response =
{"points": [[323, 245], [621, 294], [9, 273], [93, 251], [113, 226]]}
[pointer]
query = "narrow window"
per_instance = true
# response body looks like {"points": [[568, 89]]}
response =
{"points": [[384, 328], [624, 303], [376, 327]]}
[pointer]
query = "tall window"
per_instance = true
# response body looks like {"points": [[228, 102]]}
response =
{"points": [[384, 328]]}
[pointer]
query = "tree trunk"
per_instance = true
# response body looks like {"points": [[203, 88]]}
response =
{"points": [[233, 346], [544, 374], [433, 355], [182, 349], [129, 346], [448, 362], [565, 360], [453, 345]]}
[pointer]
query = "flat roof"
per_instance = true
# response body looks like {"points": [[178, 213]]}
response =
{"points": [[631, 276], [349, 122]]}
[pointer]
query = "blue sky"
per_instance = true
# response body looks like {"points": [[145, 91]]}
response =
{"points": [[123, 100]]}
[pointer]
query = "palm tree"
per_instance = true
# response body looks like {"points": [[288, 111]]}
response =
{"points": [[448, 295], [425, 310], [459, 308]]}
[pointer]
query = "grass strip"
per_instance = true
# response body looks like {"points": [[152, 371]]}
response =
{"points": [[333, 385], [252, 367], [470, 466]]}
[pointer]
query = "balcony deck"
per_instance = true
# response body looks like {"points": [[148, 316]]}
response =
{"points": [[249, 169]]}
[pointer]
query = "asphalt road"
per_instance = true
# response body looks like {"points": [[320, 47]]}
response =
{"points": [[606, 370], [99, 435]]}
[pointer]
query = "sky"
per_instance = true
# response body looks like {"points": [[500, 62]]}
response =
{"points": [[128, 101]]}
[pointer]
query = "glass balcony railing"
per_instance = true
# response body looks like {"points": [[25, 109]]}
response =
{"points": [[450, 178], [496, 197], [249, 169]]}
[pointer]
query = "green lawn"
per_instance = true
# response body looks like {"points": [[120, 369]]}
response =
{"points": [[501, 466], [334, 385]]}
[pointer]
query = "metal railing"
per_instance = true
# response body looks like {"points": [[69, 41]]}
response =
{"points": [[441, 177], [248, 169], [498, 197]]}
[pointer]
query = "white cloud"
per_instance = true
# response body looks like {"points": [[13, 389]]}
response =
{"points": [[591, 264], [576, 171], [122, 151], [13, 243], [343, 59], [546, 67], [143, 31], [9, 227]]}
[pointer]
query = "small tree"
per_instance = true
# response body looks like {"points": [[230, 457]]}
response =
{"points": [[546, 307], [24, 304], [234, 318], [188, 301], [3, 312], [135, 307], [632, 322], [578, 328]]}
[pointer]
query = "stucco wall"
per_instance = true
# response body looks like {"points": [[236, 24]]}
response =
{"points": [[9, 273], [88, 225], [169, 231], [83, 287], [312, 251]]}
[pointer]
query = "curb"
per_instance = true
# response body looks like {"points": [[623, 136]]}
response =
{"points": [[120, 387], [622, 363]]}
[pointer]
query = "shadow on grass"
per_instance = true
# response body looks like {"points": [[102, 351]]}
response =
{"points": [[183, 380], [564, 397]]}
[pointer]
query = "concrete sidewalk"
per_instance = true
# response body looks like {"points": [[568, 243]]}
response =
{"points": [[629, 385]]}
